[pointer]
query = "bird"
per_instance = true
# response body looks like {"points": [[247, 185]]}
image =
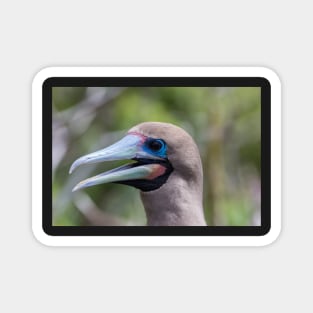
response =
{"points": [[165, 166]]}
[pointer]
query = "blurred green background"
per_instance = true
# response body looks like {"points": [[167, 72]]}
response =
{"points": [[224, 122]]}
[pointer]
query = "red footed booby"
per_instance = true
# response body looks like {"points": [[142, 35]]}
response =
{"points": [[167, 169]]}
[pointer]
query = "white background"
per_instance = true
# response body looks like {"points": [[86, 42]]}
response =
{"points": [[37, 34]]}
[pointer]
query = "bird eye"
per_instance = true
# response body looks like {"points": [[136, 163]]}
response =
{"points": [[155, 145]]}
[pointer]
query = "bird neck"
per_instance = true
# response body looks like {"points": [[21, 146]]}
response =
{"points": [[176, 203]]}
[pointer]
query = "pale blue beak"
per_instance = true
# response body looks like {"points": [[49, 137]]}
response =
{"points": [[131, 147]]}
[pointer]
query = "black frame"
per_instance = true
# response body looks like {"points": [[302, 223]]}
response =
{"points": [[261, 230]]}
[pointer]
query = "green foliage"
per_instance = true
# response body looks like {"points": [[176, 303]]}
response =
{"points": [[225, 123]]}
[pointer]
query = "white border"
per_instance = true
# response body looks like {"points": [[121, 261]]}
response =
{"points": [[155, 72]]}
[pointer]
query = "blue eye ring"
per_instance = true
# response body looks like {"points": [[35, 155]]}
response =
{"points": [[156, 146]]}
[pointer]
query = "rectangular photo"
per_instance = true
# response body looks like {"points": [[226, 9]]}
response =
{"points": [[156, 156]]}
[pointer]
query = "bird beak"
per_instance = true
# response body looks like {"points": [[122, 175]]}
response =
{"points": [[130, 147]]}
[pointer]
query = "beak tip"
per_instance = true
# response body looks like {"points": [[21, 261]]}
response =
{"points": [[81, 185], [76, 188], [73, 167]]}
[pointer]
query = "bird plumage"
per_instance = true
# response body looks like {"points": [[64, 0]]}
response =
{"points": [[168, 172]]}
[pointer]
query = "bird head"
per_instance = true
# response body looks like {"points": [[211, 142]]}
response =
{"points": [[156, 149]]}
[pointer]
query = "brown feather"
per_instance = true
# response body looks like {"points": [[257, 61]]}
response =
{"points": [[179, 201]]}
